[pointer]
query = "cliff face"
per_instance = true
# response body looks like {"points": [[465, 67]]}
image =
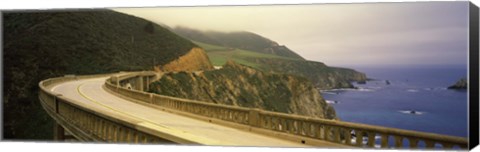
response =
{"points": [[195, 60], [321, 75], [349, 74], [238, 85]]}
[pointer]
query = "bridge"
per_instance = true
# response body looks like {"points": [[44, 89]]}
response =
{"points": [[114, 108]]}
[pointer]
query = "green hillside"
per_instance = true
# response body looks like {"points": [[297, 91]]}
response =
{"points": [[45, 44], [241, 40], [220, 55], [322, 76]]}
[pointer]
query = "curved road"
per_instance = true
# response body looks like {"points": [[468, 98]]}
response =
{"points": [[90, 91]]}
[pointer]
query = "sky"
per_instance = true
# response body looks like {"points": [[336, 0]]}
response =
{"points": [[421, 33]]}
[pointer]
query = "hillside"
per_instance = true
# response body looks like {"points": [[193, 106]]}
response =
{"points": [[220, 55], [45, 44], [239, 40], [240, 85], [194, 60], [323, 76]]}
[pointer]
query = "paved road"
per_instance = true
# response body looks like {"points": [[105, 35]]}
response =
{"points": [[90, 91]]}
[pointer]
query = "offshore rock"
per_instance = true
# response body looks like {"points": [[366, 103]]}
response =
{"points": [[460, 84]]}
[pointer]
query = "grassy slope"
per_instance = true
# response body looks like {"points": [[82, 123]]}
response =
{"points": [[220, 55], [44, 44]]}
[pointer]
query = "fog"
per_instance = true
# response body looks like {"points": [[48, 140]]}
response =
{"points": [[421, 33]]}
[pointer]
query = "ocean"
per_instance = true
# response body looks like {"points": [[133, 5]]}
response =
{"points": [[422, 89]]}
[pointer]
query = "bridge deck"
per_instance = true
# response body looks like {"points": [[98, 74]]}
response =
{"points": [[90, 91]]}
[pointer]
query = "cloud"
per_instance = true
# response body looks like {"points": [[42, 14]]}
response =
{"points": [[341, 34]]}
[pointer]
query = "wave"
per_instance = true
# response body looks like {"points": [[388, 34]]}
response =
{"points": [[335, 90], [413, 112], [365, 89], [412, 90], [351, 89], [435, 89], [329, 92], [332, 101]]}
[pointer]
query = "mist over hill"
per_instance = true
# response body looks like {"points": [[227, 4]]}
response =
{"points": [[241, 40]]}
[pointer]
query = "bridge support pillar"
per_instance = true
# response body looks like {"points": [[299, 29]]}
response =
{"points": [[58, 132], [140, 83], [117, 82], [114, 80], [147, 81]]}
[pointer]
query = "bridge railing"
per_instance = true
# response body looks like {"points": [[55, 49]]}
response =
{"points": [[365, 135], [346, 133], [88, 123], [222, 112]]}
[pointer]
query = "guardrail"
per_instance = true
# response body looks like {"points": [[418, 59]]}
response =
{"points": [[87, 123], [341, 132], [345, 133]]}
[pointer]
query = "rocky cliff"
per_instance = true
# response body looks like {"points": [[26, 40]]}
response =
{"points": [[195, 60], [350, 74], [322, 76], [239, 85]]}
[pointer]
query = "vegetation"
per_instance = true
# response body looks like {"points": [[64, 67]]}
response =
{"points": [[240, 85], [322, 76], [220, 55], [240, 40], [44, 44]]}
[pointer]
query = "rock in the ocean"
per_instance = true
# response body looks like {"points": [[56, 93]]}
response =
{"points": [[461, 84]]}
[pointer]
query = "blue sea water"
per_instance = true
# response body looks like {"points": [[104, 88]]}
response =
{"points": [[420, 88]]}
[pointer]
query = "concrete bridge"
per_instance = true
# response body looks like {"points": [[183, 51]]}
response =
{"points": [[114, 108]]}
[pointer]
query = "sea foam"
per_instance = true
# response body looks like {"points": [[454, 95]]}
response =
{"points": [[412, 112], [331, 102], [412, 90]]}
